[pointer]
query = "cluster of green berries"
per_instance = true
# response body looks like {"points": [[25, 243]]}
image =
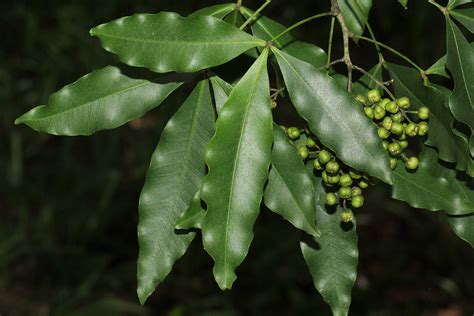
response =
{"points": [[394, 125], [343, 184]]}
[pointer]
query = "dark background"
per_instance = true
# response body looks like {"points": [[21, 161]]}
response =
{"points": [[68, 206]]}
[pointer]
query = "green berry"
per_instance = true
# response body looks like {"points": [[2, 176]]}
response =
{"points": [[310, 143], [387, 123], [384, 103], [317, 165], [403, 103], [397, 117], [411, 129], [394, 149], [403, 144], [374, 96], [332, 166], [357, 201], [303, 152], [369, 112], [324, 175], [293, 132], [383, 133], [345, 192], [379, 112], [393, 163], [422, 128], [385, 144], [333, 179], [345, 180], [423, 113], [331, 199], [363, 184], [347, 216], [361, 99], [397, 128], [355, 174], [324, 157], [356, 191], [391, 107], [412, 163]]}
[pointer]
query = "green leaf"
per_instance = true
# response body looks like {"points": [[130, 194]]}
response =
{"points": [[463, 226], [266, 28], [289, 191], [365, 83], [465, 17], [404, 3], [460, 61], [455, 3], [174, 176], [439, 67], [332, 258], [193, 216], [334, 116], [433, 186], [238, 158], [451, 147], [355, 14], [103, 99], [219, 10], [235, 18], [166, 41], [221, 91]]}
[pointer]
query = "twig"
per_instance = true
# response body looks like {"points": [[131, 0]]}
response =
{"points": [[377, 82], [345, 39]]}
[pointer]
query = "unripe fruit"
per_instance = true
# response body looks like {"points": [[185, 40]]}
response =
{"points": [[303, 152], [394, 149], [357, 201], [355, 174], [384, 103], [397, 117], [363, 184], [397, 128], [361, 99], [345, 180], [332, 166], [403, 144], [347, 216], [411, 129], [412, 163], [387, 123], [383, 133], [369, 112], [423, 113], [379, 112], [333, 179], [324, 157], [392, 107], [422, 128], [403, 102], [317, 165], [331, 199], [324, 175], [393, 163], [293, 132], [356, 191], [385, 144], [345, 192], [310, 143], [374, 96]]}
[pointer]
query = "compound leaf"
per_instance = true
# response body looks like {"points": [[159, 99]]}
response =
{"points": [[451, 147], [238, 158], [174, 176], [103, 99], [166, 41], [334, 116], [433, 186], [460, 61], [289, 191], [332, 258]]}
